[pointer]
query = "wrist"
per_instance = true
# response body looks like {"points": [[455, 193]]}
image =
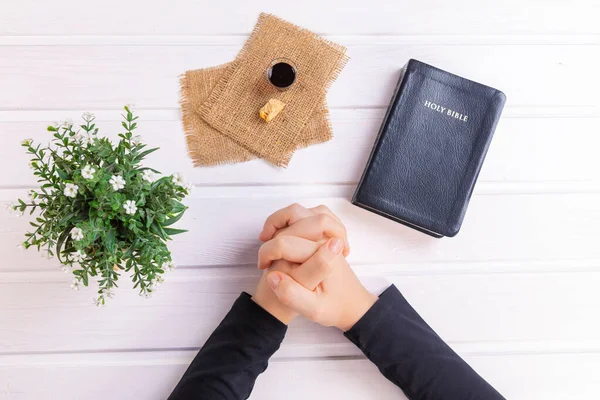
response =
{"points": [[267, 299], [359, 308]]}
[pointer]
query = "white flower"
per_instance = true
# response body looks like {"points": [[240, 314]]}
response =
{"points": [[45, 254], [33, 164], [76, 233], [27, 142], [130, 207], [99, 302], [158, 280], [68, 123], [68, 157], [71, 190], [87, 116], [168, 266], [148, 176], [117, 182], [107, 293], [88, 172], [21, 246], [145, 293], [178, 179], [76, 284], [82, 138], [10, 208], [137, 139], [66, 269], [188, 187], [77, 256]]}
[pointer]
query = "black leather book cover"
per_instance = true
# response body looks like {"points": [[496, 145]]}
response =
{"points": [[430, 149]]}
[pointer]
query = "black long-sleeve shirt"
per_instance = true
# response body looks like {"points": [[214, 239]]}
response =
{"points": [[391, 334]]}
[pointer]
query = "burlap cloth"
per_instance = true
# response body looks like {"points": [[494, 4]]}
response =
{"points": [[207, 146], [220, 104]]}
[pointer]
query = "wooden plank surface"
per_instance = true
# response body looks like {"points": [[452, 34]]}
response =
{"points": [[525, 150], [126, 375], [475, 312], [189, 17], [147, 76]]}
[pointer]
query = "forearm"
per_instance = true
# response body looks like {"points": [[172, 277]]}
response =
{"points": [[411, 355], [234, 355]]}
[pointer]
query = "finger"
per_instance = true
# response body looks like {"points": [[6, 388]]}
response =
{"points": [[289, 248], [316, 228], [323, 209], [282, 218], [318, 267], [293, 294]]}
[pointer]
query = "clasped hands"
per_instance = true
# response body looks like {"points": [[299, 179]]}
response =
{"points": [[305, 269]]}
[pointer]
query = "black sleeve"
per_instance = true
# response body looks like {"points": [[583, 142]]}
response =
{"points": [[411, 355], [234, 355]]}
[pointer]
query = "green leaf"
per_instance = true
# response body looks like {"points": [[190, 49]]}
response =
{"points": [[62, 174], [172, 220], [156, 228], [143, 154], [173, 231], [109, 241], [60, 242], [177, 207]]}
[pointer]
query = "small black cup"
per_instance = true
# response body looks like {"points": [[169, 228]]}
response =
{"points": [[282, 73]]}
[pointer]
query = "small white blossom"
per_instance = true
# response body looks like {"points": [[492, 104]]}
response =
{"points": [[188, 187], [178, 179], [68, 123], [107, 293], [45, 254], [117, 182], [21, 246], [27, 142], [88, 172], [71, 190], [148, 176], [66, 269], [99, 302], [158, 280], [145, 293], [77, 256], [68, 157], [10, 207], [82, 138], [168, 266], [76, 233], [75, 285], [33, 164], [85, 139], [88, 116], [137, 139], [130, 207]]}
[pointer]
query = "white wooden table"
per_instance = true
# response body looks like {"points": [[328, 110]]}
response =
{"points": [[516, 293]]}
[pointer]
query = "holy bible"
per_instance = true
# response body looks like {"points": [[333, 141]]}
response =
{"points": [[430, 149]]}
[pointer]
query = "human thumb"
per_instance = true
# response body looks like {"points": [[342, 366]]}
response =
{"points": [[292, 294]]}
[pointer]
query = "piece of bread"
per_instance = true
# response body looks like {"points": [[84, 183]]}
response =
{"points": [[271, 109]]}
